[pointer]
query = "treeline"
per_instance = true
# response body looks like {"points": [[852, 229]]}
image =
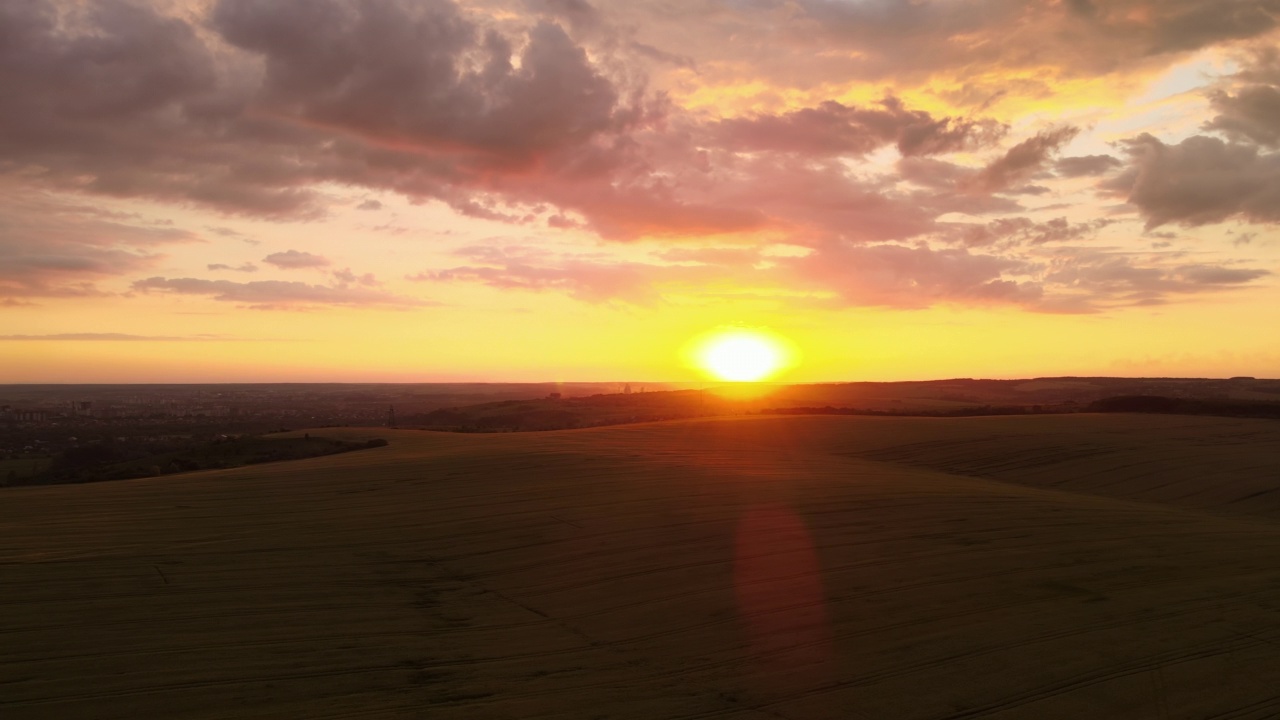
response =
{"points": [[555, 413], [125, 460], [974, 411], [1118, 404], [1186, 406], [455, 420]]}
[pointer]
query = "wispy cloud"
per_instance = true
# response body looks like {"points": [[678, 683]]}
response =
{"points": [[278, 294], [296, 260], [115, 337]]}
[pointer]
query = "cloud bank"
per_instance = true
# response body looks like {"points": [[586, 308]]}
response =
{"points": [[593, 119]]}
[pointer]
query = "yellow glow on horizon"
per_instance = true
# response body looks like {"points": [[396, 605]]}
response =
{"points": [[741, 355]]}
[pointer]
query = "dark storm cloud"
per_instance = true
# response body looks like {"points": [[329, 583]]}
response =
{"points": [[1200, 180], [277, 294], [836, 129]]}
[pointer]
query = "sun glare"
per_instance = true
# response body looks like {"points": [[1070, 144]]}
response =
{"points": [[741, 356]]}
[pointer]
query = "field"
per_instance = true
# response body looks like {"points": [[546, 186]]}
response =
{"points": [[1058, 566], [21, 468]]}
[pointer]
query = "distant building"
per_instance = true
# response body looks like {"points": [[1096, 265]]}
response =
{"points": [[626, 390]]}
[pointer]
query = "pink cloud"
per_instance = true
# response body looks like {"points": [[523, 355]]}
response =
{"points": [[296, 260], [278, 294]]}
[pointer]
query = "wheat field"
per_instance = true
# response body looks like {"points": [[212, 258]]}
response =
{"points": [[1082, 566]]}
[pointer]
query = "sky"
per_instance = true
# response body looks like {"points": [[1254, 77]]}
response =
{"points": [[543, 190]]}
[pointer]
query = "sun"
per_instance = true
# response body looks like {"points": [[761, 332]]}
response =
{"points": [[741, 356]]}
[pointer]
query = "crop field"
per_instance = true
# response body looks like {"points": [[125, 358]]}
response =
{"points": [[804, 567]]}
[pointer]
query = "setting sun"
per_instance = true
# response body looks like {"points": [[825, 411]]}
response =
{"points": [[741, 356]]}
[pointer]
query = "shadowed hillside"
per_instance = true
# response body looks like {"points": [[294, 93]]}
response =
{"points": [[1100, 566]]}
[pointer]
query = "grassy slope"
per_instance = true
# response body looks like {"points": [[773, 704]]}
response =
{"points": [[802, 567]]}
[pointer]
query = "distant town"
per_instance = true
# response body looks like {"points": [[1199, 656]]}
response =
{"points": [[55, 432]]}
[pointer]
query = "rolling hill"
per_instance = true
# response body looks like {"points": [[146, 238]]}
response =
{"points": [[1062, 566]]}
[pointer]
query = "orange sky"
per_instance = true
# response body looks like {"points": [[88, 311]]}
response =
{"points": [[330, 190]]}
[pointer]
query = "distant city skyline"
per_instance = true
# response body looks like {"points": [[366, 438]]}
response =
{"points": [[562, 190]]}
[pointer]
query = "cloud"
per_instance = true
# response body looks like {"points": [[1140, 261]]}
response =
{"points": [[839, 274], [721, 256], [1027, 268], [1022, 160], [278, 294], [1248, 103], [226, 232], [52, 248], [1101, 278], [567, 115], [1086, 165], [580, 14], [1253, 113], [835, 129], [268, 100], [889, 39], [245, 111], [591, 280], [1199, 180], [1012, 232], [329, 61], [932, 173], [296, 260], [111, 337], [910, 278], [346, 277]]}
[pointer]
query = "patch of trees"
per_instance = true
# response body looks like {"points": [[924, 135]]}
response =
{"points": [[975, 411], [1186, 406], [117, 460]]}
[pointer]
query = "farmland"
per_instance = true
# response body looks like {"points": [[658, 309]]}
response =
{"points": [[1057, 566]]}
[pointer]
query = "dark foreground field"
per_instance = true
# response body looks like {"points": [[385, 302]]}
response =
{"points": [[1077, 566]]}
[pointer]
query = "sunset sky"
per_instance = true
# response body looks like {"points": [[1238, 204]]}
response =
{"points": [[440, 190]]}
